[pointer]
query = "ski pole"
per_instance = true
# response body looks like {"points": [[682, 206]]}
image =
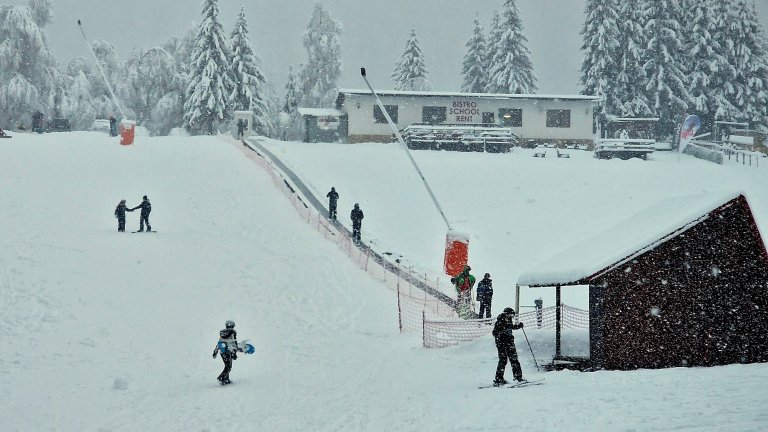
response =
{"points": [[529, 347]]}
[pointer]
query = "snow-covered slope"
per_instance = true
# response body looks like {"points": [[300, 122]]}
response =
{"points": [[108, 331]]}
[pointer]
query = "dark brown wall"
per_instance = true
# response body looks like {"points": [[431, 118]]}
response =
{"points": [[710, 287]]}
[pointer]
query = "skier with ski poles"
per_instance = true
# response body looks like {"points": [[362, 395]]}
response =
{"points": [[228, 347], [505, 345]]}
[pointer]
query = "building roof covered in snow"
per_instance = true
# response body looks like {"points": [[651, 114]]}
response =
{"points": [[320, 112], [625, 241], [595, 99]]}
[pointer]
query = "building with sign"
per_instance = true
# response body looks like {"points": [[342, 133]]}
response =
{"points": [[557, 119], [324, 125]]}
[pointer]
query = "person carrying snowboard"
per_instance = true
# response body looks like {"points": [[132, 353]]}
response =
{"points": [[505, 345], [485, 296], [228, 347], [120, 215], [333, 199], [357, 222], [146, 209]]}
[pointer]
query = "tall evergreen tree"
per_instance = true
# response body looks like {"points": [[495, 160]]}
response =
{"points": [[511, 68], [494, 36], [601, 48], [410, 71], [474, 67], [26, 64], [320, 75], [631, 79], [289, 119], [751, 64], [210, 76], [249, 88], [666, 81], [722, 72], [703, 54]]}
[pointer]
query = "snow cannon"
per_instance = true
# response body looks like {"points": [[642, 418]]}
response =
{"points": [[456, 252], [127, 132]]}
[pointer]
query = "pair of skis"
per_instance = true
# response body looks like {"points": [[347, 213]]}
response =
{"points": [[515, 384]]}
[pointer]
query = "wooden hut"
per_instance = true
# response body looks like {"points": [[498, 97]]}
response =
{"points": [[684, 283]]}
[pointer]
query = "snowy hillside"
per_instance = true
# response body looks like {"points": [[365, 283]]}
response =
{"points": [[108, 331]]}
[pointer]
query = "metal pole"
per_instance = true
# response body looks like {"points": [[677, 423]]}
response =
{"points": [[557, 321], [98, 65], [529, 347], [405, 147]]}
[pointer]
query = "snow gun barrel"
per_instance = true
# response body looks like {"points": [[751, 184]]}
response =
{"points": [[98, 65]]}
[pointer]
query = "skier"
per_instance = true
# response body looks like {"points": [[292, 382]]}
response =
{"points": [[146, 208], [228, 347], [240, 128], [505, 345], [120, 215], [333, 198], [463, 282], [485, 296], [357, 222]]}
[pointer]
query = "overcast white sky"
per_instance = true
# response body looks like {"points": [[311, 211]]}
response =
{"points": [[374, 35]]}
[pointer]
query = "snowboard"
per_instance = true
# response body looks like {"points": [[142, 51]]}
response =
{"points": [[243, 346], [153, 231], [516, 384]]}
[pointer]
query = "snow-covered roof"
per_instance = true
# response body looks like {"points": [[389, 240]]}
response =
{"points": [[626, 240], [320, 112], [586, 98]]}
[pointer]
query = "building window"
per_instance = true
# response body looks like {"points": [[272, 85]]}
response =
{"points": [[433, 115], [511, 117], [378, 116], [559, 118], [488, 118]]}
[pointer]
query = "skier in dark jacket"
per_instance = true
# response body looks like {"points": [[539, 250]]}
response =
{"points": [[146, 209], [485, 295], [333, 198], [120, 215], [112, 126], [357, 222], [505, 345], [228, 347]]}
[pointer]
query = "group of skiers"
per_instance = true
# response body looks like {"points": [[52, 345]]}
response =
{"points": [[502, 329], [356, 215], [146, 209]]}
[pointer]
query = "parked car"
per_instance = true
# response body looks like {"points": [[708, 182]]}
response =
{"points": [[100, 125], [58, 125]]}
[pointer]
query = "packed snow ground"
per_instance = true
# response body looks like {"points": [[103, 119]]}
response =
{"points": [[108, 331]]}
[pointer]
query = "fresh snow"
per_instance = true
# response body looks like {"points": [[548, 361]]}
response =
{"points": [[106, 331]]}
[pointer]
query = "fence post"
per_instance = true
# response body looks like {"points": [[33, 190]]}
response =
{"points": [[423, 329], [399, 309]]}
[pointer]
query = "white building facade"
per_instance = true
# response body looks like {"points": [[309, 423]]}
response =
{"points": [[557, 119]]}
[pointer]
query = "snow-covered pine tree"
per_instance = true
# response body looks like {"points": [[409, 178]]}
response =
{"points": [[666, 85], [750, 61], [601, 48], [631, 79], [703, 52], [250, 84], [289, 117], [722, 73], [474, 71], [26, 63], [152, 77], [42, 11], [78, 109], [494, 35], [410, 71], [322, 71], [511, 68], [210, 80]]}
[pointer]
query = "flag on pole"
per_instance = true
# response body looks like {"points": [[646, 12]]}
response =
{"points": [[691, 125]]}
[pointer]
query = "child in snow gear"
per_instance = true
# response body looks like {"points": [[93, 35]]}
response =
{"points": [[505, 345], [333, 198], [357, 222], [120, 215], [228, 347], [146, 208], [485, 295], [464, 282]]}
